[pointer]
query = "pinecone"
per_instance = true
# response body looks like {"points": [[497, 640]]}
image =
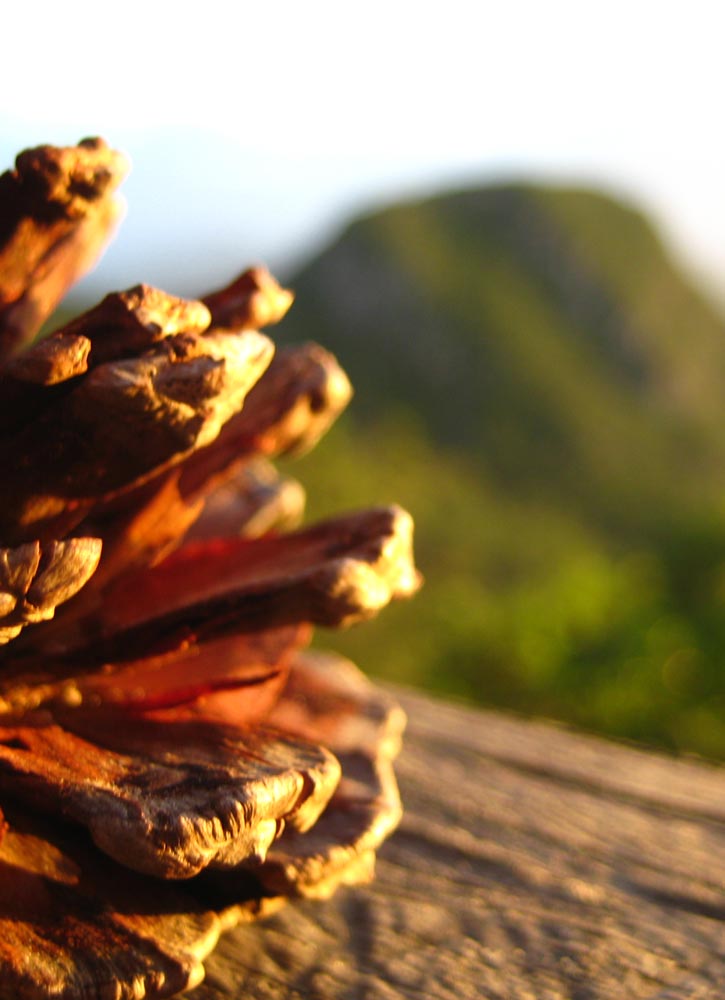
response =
{"points": [[172, 759]]}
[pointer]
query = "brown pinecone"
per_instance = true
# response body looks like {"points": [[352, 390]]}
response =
{"points": [[172, 760]]}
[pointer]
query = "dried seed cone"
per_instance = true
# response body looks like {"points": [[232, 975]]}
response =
{"points": [[172, 760]]}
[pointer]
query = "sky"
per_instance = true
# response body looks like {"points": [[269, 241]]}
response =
{"points": [[256, 131]]}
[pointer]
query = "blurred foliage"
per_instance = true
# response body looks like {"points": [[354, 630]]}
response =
{"points": [[544, 391], [523, 609]]}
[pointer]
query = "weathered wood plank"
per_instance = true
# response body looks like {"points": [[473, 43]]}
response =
{"points": [[532, 864]]}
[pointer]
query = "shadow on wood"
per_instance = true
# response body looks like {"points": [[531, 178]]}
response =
{"points": [[531, 863]]}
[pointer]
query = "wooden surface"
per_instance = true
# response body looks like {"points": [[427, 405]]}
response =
{"points": [[531, 863]]}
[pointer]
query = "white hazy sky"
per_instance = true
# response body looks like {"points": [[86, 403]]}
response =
{"points": [[256, 129]]}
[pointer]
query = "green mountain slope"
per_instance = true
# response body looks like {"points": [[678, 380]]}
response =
{"points": [[545, 391]]}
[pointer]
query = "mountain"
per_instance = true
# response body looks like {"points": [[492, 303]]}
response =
{"points": [[545, 391]]}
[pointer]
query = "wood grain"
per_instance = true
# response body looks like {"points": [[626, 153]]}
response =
{"points": [[532, 864]]}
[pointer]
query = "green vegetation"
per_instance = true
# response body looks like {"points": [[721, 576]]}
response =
{"points": [[539, 385]]}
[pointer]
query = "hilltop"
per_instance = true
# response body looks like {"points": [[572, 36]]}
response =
{"points": [[545, 390]]}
